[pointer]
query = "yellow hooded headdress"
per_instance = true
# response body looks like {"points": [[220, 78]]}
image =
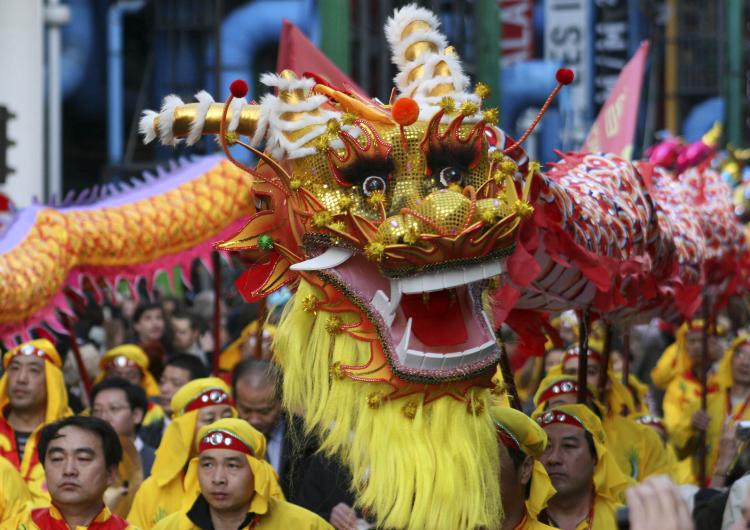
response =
{"points": [[610, 482], [232, 355], [725, 377], [175, 448], [239, 435], [130, 353], [527, 436], [57, 395]]}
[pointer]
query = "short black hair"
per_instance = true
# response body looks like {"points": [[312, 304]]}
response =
{"points": [[195, 322], [110, 440], [146, 306], [188, 362], [135, 395], [259, 367]]}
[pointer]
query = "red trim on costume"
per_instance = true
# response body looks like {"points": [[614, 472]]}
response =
{"points": [[741, 412], [44, 518], [208, 398], [506, 438], [121, 361], [221, 439]]}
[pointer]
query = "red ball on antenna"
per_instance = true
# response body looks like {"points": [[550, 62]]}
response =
{"points": [[565, 76], [405, 111], [238, 88]]}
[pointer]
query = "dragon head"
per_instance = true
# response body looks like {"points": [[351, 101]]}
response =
{"points": [[391, 221]]}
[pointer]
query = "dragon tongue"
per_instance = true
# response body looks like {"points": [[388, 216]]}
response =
{"points": [[437, 319]]}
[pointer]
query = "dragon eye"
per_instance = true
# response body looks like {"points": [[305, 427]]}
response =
{"points": [[450, 175], [372, 184]]}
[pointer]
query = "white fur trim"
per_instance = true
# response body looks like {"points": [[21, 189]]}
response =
{"points": [[401, 18], [146, 126], [458, 79], [166, 119], [275, 80], [398, 50], [196, 128], [236, 106]]}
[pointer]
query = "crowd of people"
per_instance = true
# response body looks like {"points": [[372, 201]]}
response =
{"points": [[168, 437]]}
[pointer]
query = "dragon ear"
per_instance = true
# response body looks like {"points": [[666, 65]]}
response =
{"points": [[177, 120], [428, 69]]}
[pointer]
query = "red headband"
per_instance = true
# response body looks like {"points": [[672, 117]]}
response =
{"points": [[121, 361], [208, 398], [221, 439], [560, 388], [32, 351], [573, 352], [558, 416]]}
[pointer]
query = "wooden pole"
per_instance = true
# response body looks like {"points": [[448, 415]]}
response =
{"points": [[583, 355], [85, 378], [510, 383], [702, 450], [216, 263], [259, 331], [606, 359], [626, 355]]}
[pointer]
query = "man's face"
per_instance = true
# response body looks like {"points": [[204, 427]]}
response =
{"points": [[741, 365], [562, 399], [258, 404], [75, 468], [592, 370], [131, 374], [567, 459], [150, 326], [208, 415], [172, 379], [693, 345], [112, 406], [513, 481], [183, 334], [226, 479], [27, 388]]}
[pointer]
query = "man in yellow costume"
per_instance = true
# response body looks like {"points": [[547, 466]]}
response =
{"points": [[198, 403], [32, 394], [80, 455], [524, 483], [726, 406], [237, 485], [679, 368], [131, 363], [590, 486], [637, 449]]}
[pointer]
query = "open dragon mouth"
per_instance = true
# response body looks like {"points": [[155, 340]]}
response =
{"points": [[433, 324]]}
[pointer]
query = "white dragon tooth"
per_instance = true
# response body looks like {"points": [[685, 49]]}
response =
{"points": [[403, 346], [333, 257], [383, 306], [395, 296]]}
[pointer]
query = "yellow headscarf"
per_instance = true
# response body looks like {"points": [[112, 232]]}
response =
{"points": [[266, 482], [135, 354], [57, 395], [530, 438], [675, 360], [175, 447], [610, 482], [725, 376]]}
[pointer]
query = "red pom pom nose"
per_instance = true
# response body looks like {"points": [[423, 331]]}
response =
{"points": [[565, 76], [405, 111], [238, 88]]}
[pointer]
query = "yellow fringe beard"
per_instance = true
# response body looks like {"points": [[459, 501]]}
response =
{"points": [[439, 470]]}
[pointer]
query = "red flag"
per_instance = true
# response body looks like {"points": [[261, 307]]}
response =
{"points": [[614, 128], [298, 54]]}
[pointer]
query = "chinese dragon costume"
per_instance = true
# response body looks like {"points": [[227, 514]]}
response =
{"points": [[408, 232]]}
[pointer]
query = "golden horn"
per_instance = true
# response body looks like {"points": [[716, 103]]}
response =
{"points": [[420, 48], [185, 115]]}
